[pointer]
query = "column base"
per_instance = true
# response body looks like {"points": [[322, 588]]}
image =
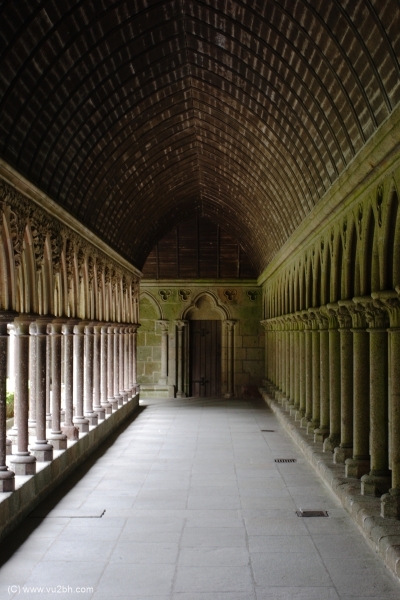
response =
{"points": [[71, 432], [390, 504], [8, 447], [107, 408], [311, 427], [320, 434], [100, 412], [183, 395], [23, 464], [227, 395], [357, 467], [92, 418], [42, 452], [12, 435], [7, 480], [58, 440], [294, 410], [331, 442], [304, 422], [299, 415], [341, 454], [375, 483], [82, 424]]}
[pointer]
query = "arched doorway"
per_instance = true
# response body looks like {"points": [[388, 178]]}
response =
{"points": [[205, 319]]}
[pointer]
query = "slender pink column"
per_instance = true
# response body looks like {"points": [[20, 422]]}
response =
{"points": [[32, 379], [105, 403], [79, 420], [110, 368], [68, 427], [97, 406], [7, 479], [41, 449], [22, 461], [134, 357], [117, 396], [57, 438], [90, 415], [121, 362]]}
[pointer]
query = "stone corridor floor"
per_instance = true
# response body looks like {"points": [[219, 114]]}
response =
{"points": [[187, 503]]}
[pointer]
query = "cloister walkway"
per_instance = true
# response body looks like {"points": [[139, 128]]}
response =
{"points": [[187, 503]]}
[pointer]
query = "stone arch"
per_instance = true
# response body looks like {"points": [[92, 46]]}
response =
{"points": [[154, 302], [369, 259], [201, 303], [391, 242]]}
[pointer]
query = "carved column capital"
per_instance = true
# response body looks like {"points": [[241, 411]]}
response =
{"points": [[164, 324], [180, 324], [356, 311], [331, 310], [390, 302]]}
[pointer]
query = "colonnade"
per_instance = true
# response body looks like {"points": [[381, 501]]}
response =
{"points": [[69, 374], [336, 368]]}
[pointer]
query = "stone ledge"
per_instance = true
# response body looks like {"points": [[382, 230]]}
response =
{"points": [[383, 535], [31, 490]]}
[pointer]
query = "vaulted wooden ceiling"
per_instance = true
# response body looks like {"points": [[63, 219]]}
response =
{"points": [[135, 115]]}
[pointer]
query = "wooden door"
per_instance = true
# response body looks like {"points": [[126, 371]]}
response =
{"points": [[205, 359]]}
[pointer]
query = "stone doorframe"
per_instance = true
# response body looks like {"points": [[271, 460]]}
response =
{"points": [[196, 310]]}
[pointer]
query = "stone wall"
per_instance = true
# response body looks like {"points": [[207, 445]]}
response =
{"points": [[164, 303]]}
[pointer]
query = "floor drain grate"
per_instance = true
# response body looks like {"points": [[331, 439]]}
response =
{"points": [[285, 460], [268, 430], [312, 513]]}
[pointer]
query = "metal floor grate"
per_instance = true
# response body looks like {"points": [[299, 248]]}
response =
{"points": [[285, 460], [312, 513], [268, 430]]}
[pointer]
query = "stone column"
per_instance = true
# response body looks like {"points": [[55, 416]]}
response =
{"points": [[105, 403], [68, 428], [110, 368], [127, 386], [287, 361], [32, 379], [390, 503], [179, 327], [265, 326], [57, 438], [89, 413], [345, 448], [22, 462], [301, 370], [41, 449], [230, 324], [7, 479], [135, 327], [296, 369], [316, 376], [117, 396], [377, 481], [306, 420], [48, 377], [292, 353], [322, 431], [79, 420], [164, 326], [98, 408], [359, 464], [333, 440], [121, 363]]}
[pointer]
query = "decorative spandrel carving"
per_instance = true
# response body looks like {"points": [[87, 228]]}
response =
{"points": [[184, 295], [252, 295], [230, 295], [164, 294], [90, 264]]}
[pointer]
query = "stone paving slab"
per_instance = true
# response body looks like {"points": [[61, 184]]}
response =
{"points": [[211, 521]]}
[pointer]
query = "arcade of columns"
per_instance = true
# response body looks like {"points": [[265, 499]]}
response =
{"points": [[332, 322], [71, 305]]}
